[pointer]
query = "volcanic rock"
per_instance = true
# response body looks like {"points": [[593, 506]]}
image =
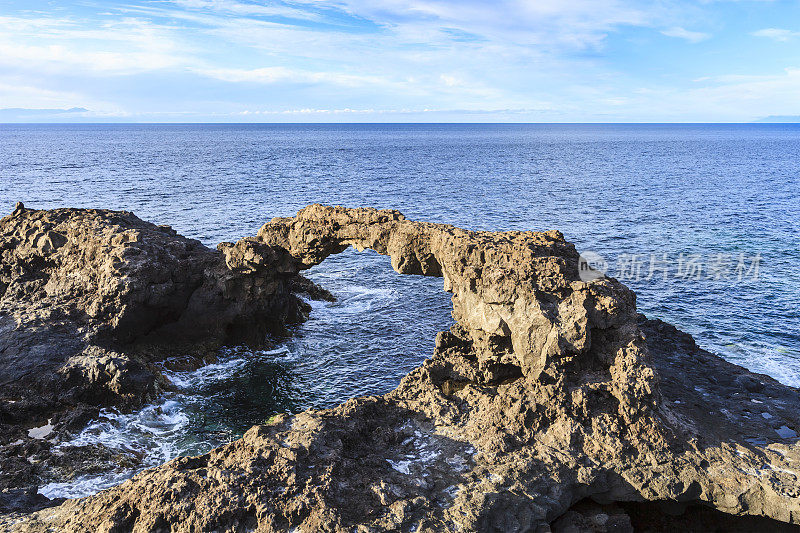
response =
{"points": [[91, 301], [550, 405]]}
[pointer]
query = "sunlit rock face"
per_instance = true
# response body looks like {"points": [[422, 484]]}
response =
{"points": [[547, 404], [516, 295]]}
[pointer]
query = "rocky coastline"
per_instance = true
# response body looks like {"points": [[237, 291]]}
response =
{"points": [[93, 305], [551, 405]]}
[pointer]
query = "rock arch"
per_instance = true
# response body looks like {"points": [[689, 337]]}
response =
{"points": [[517, 297], [549, 391]]}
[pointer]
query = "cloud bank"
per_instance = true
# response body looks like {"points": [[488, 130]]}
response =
{"points": [[514, 60]]}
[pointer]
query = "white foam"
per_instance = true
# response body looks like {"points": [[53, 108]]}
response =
{"points": [[135, 431], [283, 354], [83, 485], [41, 432], [156, 433], [227, 367], [209, 373], [352, 300], [153, 433], [316, 305], [401, 466], [771, 359]]}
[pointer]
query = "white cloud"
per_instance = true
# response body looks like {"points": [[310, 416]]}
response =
{"points": [[681, 33], [441, 52], [545, 23], [240, 8], [64, 58], [363, 58], [771, 94], [14, 93], [269, 75], [777, 34], [722, 98], [349, 111], [450, 80], [119, 45], [429, 85]]}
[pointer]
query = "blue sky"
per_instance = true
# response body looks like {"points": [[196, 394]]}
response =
{"points": [[399, 61]]}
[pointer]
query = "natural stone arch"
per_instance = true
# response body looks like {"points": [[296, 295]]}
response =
{"points": [[517, 297], [605, 405]]}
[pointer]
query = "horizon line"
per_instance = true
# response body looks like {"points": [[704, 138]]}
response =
{"points": [[59, 123]]}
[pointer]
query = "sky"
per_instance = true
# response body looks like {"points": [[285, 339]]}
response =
{"points": [[399, 61]]}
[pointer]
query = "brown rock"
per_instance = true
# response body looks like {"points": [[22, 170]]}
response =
{"points": [[548, 391], [90, 299]]}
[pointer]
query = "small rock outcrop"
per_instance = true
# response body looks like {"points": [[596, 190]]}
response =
{"points": [[551, 405], [91, 300]]}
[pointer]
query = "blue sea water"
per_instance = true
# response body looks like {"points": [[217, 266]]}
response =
{"points": [[700, 220]]}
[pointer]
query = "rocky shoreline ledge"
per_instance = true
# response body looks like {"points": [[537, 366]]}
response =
{"points": [[551, 405], [93, 305]]}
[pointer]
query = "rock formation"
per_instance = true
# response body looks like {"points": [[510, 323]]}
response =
{"points": [[550, 405], [90, 300]]}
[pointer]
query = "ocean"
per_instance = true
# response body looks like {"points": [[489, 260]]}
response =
{"points": [[702, 221]]}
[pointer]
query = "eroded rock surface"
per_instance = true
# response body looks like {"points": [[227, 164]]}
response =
{"points": [[549, 391], [90, 300]]}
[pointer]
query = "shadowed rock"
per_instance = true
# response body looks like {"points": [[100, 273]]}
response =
{"points": [[548, 391]]}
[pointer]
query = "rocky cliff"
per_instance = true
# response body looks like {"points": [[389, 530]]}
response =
{"points": [[550, 405], [91, 304]]}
